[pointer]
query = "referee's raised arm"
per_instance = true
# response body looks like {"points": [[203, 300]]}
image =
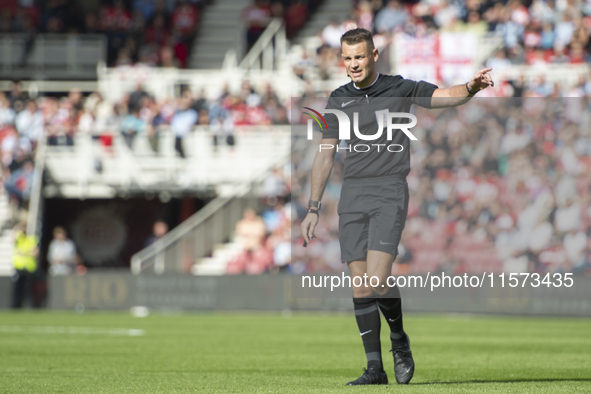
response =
{"points": [[320, 172], [461, 94]]}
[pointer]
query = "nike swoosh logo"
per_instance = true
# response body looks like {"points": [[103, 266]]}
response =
{"points": [[347, 103], [386, 243], [394, 319], [363, 333]]}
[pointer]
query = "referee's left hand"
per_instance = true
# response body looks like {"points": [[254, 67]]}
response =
{"points": [[309, 226], [481, 80]]}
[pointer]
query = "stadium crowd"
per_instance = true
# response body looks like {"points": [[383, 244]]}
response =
{"points": [[500, 185], [139, 112], [265, 239], [496, 185], [149, 32], [535, 32], [160, 32], [21, 126], [294, 14], [153, 32], [24, 120]]}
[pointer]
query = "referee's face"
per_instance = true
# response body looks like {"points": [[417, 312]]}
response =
{"points": [[360, 63]]}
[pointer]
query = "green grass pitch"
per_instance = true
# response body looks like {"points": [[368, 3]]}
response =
{"points": [[95, 352]]}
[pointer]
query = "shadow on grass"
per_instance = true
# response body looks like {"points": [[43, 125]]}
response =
{"points": [[525, 380]]}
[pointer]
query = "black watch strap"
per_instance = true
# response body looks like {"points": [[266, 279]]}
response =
{"points": [[468, 89], [313, 211]]}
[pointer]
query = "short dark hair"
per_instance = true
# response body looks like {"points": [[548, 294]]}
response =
{"points": [[58, 230], [356, 36]]}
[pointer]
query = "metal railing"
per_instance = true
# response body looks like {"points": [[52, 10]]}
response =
{"points": [[269, 52], [197, 237], [237, 49], [53, 56], [34, 220]]}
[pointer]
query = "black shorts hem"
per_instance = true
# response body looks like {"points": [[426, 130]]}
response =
{"points": [[355, 259], [395, 254]]}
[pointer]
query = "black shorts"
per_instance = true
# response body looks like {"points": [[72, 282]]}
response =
{"points": [[372, 214]]}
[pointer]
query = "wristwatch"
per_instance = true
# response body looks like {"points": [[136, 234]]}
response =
{"points": [[314, 205]]}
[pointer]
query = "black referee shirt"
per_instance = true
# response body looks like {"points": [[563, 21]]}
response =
{"points": [[384, 157]]}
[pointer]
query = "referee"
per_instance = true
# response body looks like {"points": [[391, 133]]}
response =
{"points": [[374, 197]]}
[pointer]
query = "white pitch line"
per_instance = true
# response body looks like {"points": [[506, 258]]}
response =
{"points": [[132, 332]]}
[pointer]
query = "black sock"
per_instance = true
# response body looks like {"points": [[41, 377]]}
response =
{"points": [[391, 307], [368, 321]]}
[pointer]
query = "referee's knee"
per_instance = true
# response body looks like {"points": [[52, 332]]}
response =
{"points": [[381, 291], [370, 292], [362, 292]]}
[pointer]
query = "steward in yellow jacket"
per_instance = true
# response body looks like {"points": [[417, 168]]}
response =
{"points": [[24, 260]]}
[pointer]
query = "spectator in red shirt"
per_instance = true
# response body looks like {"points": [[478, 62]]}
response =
{"points": [[116, 18], [157, 33], [577, 55], [180, 48], [295, 17], [184, 20], [115, 21], [257, 18]]}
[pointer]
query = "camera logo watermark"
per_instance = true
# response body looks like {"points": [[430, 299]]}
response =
{"points": [[384, 119]]}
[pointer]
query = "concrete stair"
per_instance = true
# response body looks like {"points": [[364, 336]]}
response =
{"points": [[220, 30], [216, 265], [328, 10]]}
